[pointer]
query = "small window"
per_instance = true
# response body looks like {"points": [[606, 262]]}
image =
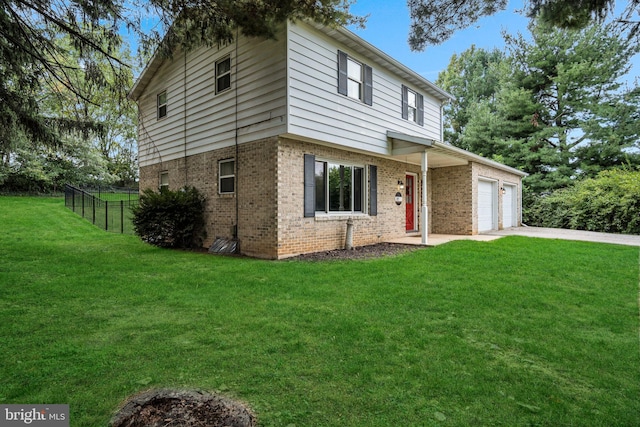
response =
{"points": [[223, 74], [412, 106], [354, 82], [227, 176], [355, 79], [162, 105], [164, 181]]}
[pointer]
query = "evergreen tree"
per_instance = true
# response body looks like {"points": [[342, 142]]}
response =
{"points": [[559, 110], [584, 119], [434, 21]]}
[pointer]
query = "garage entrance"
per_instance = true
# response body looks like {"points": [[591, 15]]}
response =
{"points": [[509, 206], [487, 205]]}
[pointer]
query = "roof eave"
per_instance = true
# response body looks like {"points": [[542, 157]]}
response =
{"points": [[145, 77]]}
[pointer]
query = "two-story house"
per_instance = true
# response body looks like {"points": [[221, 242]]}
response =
{"points": [[290, 138]]}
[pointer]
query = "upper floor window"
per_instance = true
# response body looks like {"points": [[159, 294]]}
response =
{"points": [[162, 104], [355, 79], [227, 176], [223, 74], [412, 106]]}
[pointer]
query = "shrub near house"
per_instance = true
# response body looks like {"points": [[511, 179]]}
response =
{"points": [[171, 219]]}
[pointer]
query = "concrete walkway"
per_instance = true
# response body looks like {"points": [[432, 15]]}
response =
{"points": [[545, 233], [439, 239], [558, 233]]}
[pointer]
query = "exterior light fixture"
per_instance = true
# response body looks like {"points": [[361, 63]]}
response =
{"points": [[400, 185], [503, 191]]}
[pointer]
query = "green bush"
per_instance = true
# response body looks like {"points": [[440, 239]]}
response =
{"points": [[171, 219], [608, 203]]}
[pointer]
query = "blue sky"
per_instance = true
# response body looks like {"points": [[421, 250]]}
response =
{"points": [[388, 25]]}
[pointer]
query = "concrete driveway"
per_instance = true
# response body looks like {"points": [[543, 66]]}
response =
{"points": [[558, 233]]}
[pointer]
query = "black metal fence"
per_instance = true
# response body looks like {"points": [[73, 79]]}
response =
{"points": [[107, 208]]}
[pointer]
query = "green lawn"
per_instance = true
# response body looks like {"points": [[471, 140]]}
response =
{"points": [[515, 332]]}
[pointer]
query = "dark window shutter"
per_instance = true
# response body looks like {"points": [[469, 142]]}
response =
{"points": [[373, 190], [342, 73], [368, 85], [309, 185], [420, 101], [405, 102]]}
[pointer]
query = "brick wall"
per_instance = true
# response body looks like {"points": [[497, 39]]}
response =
{"points": [[455, 197], [256, 190], [270, 197], [452, 195], [298, 234], [202, 174]]}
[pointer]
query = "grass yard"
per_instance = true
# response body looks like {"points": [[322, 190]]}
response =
{"points": [[515, 332]]}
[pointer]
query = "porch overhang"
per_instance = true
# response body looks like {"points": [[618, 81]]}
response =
{"points": [[409, 149]]}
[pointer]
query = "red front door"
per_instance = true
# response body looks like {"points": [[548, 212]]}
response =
{"points": [[409, 201]]}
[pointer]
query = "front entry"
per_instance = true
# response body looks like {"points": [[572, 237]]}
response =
{"points": [[410, 202]]}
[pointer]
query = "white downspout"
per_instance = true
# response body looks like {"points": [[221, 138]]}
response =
{"points": [[424, 218]]}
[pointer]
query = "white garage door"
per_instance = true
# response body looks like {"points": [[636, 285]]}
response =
{"points": [[508, 211], [486, 206]]}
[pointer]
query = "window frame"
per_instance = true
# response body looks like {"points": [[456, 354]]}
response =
{"points": [[412, 107], [162, 108], [219, 76], [164, 183], [351, 78], [326, 165], [222, 177], [417, 109], [365, 82]]}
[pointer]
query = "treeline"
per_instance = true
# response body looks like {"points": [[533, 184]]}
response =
{"points": [[555, 104], [608, 203]]}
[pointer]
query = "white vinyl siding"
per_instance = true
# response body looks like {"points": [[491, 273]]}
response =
{"points": [[318, 111], [257, 78], [278, 87]]}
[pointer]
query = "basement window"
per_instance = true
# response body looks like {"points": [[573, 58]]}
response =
{"points": [[164, 181]]}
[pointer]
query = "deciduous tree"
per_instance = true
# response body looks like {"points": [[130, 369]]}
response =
{"points": [[473, 76], [30, 58]]}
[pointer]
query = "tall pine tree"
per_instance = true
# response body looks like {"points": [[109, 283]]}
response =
{"points": [[560, 110]]}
